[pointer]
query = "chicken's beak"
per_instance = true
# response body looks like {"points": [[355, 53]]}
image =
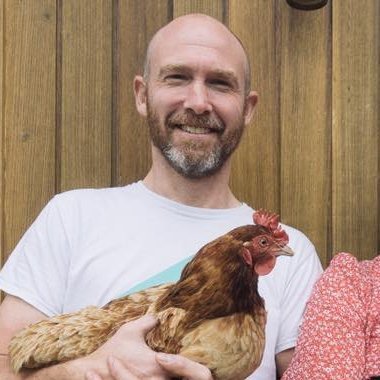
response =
{"points": [[284, 251]]}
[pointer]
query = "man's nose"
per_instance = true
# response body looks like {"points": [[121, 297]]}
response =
{"points": [[197, 99]]}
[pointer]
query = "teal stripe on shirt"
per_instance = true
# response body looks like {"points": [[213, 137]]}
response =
{"points": [[171, 274]]}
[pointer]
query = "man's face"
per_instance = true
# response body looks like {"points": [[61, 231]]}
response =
{"points": [[196, 145], [195, 100]]}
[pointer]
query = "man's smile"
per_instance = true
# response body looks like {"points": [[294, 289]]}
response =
{"points": [[195, 130]]}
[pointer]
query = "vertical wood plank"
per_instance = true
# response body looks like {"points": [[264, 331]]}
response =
{"points": [[306, 123], [2, 32], [356, 100], [86, 124], [29, 114], [137, 22], [255, 174], [284, 161], [214, 8]]}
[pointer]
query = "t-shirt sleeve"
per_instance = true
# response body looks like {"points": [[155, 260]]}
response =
{"points": [[36, 271], [304, 270]]}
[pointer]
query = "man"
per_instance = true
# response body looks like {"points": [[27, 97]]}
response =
{"points": [[91, 246]]}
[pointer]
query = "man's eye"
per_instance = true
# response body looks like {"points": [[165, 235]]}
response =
{"points": [[219, 83], [175, 77]]}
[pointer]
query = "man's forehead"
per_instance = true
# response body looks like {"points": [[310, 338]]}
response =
{"points": [[195, 30], [184, 33]]}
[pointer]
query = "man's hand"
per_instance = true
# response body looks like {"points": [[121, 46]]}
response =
{"points": [[175, 365], [117, 370], [129, 358], [128, 349]]}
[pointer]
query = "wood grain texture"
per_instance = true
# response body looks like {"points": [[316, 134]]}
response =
{"points": [[306, 123], [137, 22], [2, 34], [255, 174], [86, 94], [356, 99], [214, 8], [29, 114], [68, 114]]}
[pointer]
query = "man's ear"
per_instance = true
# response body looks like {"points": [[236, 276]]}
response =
{"points": [[140, 90], [250, 105]]}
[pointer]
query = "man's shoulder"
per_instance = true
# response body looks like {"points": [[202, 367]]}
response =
{"points": [[94, 195], [97, 192], [295, 234], [96, 203], [305, 253]]}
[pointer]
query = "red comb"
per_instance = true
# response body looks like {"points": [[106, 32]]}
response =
{"points": [[271, 221]]}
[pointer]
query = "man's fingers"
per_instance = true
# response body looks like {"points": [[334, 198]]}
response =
{"points": [[92, 376], [180, 366], [140, 326], [119, 371]]}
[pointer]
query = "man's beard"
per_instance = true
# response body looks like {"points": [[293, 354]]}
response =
{"points": [[193, 159]]}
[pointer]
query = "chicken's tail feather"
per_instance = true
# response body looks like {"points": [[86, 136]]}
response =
{"points": [[62, 338]]}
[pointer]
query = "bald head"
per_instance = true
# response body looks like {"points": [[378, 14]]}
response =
{"points": [[197, 30]]}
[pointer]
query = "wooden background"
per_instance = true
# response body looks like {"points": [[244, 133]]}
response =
{"points": [[312, 152]]}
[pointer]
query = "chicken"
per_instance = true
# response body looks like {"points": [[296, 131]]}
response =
{"points": [[212, 315]]}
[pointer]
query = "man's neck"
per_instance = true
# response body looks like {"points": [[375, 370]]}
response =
{"points": [[208, 192]]}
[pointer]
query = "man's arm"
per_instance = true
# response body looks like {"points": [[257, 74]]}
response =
{"points": [[176, 365], [16, 314], [57, 372]]}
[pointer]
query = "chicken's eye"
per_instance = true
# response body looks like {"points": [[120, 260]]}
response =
{"points": [[263, 242]]}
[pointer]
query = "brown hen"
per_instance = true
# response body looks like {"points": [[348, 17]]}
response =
{"points": [[213, 314]]}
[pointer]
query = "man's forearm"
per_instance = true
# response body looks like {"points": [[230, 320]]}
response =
{"points": [[64, 371]]}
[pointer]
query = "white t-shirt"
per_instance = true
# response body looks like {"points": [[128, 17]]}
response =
{"points": [[89, 246]]}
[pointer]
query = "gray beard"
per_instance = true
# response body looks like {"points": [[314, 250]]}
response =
{"points": [[189, 168], [186, 160]]}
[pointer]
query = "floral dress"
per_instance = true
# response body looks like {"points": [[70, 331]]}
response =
{"points": [[340, 333]]}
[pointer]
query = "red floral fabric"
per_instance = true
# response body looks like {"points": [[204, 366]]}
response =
{"points": [[340, 333]]}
